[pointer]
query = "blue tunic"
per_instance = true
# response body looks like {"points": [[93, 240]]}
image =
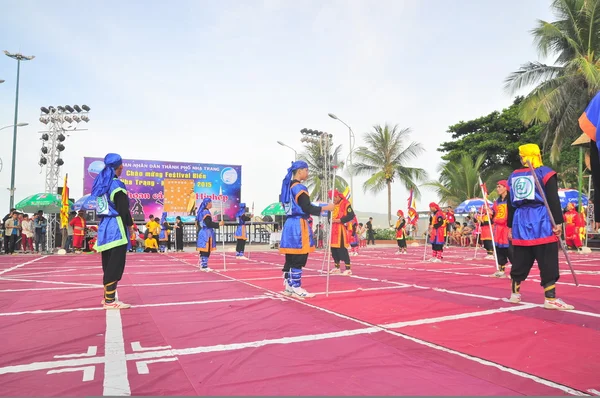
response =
{"points": [[240, 231], [111, 230], [296, 236], [531, 223], [206, 236]]}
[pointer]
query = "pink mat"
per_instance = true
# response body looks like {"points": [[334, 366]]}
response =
{"points": [[231, 333]]}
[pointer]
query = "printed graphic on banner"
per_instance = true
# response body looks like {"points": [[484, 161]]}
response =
{"points": [[177, 195], [175, 187]]}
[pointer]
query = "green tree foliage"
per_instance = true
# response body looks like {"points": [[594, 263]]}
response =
{"points": [[313, 156], [498, 136], [459, 180], [384, 160], [562, 91]]}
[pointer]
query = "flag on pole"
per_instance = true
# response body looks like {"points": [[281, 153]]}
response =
{"points": [[413, 217], [64, 210]]}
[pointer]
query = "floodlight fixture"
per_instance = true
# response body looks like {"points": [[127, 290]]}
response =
{"points": [[60, 147], [69, 108], [60, 137], [85, 108], [44, 110], [60, 162], [43, 161], [44, 150], [77, 108]]}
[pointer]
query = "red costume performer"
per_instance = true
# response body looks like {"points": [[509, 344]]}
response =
{"points": [[340, 240], [573, 226], [78, 224], [500, 225], [486, 230], [437, 232], [401, 232]]}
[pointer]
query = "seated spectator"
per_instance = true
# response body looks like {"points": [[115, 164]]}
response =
{"points": [[467, 235], [151, 244]]}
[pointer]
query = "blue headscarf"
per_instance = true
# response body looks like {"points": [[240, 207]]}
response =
{"points": [[102, 182], [203, 205], [284, 196], [241, 211]]}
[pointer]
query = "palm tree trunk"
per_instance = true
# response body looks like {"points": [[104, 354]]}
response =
{"points": [[389, 189]]}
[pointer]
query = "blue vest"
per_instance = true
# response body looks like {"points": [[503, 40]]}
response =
{"points": [[531, 224], [297, 235], [204, 242], [111, 230]]}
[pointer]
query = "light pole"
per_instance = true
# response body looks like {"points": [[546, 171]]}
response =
{"points": [[351, 148], [19, 58], [287, 146], [12, 125]]}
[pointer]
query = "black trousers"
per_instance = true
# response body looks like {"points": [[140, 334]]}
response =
{"points": [[12, 243], [179, 239], [438, 248], [294, 261], [340, 253], [488, 245], [113, 263], [240, 245], [149, 250], [504, 255], [401, 243], [546, 255], [370, 236]]}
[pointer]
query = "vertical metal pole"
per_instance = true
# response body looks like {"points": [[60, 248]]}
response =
{"points": [[350, 171], [580, 179], [14, 148]]}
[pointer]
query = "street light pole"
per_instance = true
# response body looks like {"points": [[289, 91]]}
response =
{"points": [[351, 149], [12, 125], [287, 146], [19, 58]]}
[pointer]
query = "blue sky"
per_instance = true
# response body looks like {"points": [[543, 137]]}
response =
{"points": [[222, 81]]}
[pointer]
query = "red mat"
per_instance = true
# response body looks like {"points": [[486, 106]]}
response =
{"points": [[398, 326]]}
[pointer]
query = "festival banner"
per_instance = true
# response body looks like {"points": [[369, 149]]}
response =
{"points": [[156, 186]]}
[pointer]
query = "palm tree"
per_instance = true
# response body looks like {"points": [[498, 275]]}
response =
{"points": [[384, 160], [564, 89], [459, 181], [313, 156]]}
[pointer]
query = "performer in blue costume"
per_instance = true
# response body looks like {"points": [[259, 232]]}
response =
{"points": [[206, 242], [296, 237], [530, 227], [240, 232], [115, 226], [589, 123]]}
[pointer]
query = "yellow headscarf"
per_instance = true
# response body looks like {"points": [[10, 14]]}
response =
{"points": [[532, 153]]}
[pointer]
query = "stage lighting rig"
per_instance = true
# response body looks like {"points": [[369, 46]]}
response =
{"points": [[59, 121]]}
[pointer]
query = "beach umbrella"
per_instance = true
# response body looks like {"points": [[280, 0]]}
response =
{"points": [[274, 209], [49, 203], [470, 206], [85, 203], [567, 196]]}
